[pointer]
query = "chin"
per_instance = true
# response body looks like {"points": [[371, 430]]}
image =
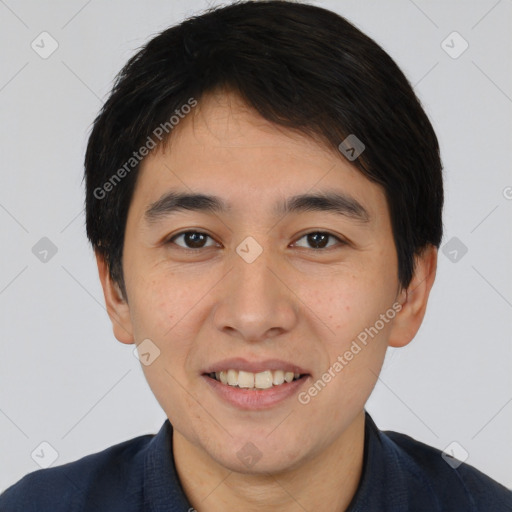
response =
{"points": [[257, 454], [261, 465]]}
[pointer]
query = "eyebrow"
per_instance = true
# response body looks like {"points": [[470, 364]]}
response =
{"points": [[333, 202]]}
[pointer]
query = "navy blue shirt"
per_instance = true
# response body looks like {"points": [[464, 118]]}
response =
{"points": [[399, 475]]}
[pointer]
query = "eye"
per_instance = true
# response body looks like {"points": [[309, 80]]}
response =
{"points": [[319, 240], [192, 240]]}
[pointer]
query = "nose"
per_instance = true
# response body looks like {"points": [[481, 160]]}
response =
{"points": [[257, 302]]}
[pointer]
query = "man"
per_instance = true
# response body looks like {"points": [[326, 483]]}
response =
{"points": [[264, 198]]}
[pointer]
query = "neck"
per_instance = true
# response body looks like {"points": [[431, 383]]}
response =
{"points": [[327, 481]]}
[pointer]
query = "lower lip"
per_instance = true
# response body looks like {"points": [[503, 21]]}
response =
{"points": [[253, 399]]}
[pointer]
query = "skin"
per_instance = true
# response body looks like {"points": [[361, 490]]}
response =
{"points": [[294, 302]]}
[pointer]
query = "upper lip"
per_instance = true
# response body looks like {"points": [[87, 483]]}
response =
{"points": [[239, 363]]}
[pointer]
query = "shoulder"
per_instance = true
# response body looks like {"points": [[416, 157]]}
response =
{"points": [[100, 481], [449, 482]]}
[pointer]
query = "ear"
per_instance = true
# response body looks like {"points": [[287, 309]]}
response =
{"points": [[414, 299], [117, 307]]}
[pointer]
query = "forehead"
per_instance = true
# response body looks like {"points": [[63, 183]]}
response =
{"points": [[226, 149], [222, 128]]}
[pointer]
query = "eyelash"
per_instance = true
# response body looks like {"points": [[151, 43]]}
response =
{"points": [[174, 237]]}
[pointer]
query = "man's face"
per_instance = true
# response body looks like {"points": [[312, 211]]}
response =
{"points": [[323, 276]]}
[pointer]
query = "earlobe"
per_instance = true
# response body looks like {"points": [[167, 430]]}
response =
{"points": [[117, 307], [414, 299]]}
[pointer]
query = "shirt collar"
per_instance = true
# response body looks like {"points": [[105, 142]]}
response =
{"points": [[161, 486], [382, 480]]}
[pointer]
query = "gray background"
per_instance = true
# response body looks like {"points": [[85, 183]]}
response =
{"points": [[65, 379]]}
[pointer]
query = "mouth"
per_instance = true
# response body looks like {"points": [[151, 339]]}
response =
{"points": [[249, 380], [250, 385]]}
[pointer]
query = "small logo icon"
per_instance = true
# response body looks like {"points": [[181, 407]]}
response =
{"points": [[249, 249], [44, 45], [454, 249], [146, 352], [44, 250], [351, 147], [249, 454], [454, 454], [454, 45], [44, 455]]}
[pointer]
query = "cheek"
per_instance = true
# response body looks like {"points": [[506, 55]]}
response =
{"points": [[162, 311], [346, 315], [160, 303], [167, 309], [347, 303]]}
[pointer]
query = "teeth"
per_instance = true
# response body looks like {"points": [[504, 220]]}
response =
{"points": [[263, 380], [232, 377], [245, 379], [249, 380], [278, 377]]}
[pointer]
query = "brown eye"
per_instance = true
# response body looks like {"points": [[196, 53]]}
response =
{"points": [[319, 240], [192, 240]]}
